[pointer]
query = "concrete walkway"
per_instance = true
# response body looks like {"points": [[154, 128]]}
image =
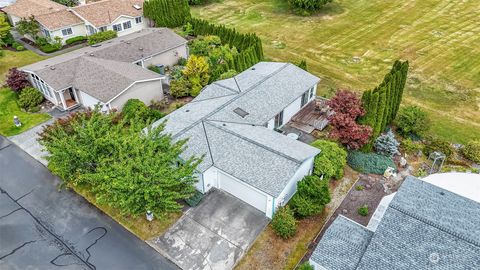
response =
{"points": [[214, 235]]}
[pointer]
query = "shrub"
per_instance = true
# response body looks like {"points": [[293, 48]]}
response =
{"points": [[303, 64], [472, 151], [228, 74], [284, 223], [369, 162], [331, 160], [412, 147], [307, 6], [311, 197], [386, 144], [197, 73], [167, 13], [155, 69], [101, 36], [48, 48], [8, 39], [412, 121], [359, 187], [135, 109], [20, 48], [17, 79], [77, 39], [16, 44], [363, 211], [29, 98], [439, 145], [179, 88], [305, 266]]}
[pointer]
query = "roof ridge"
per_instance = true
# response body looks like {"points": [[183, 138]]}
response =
{"points": [[226, 87], [254, 142], [208, 143], [433, 224], [233, 99]]}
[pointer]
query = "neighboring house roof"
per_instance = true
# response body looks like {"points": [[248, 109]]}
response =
{"points": [[105, 12], [58, 19], [27, 8], [424, 227], [245, 149], [345, 241], [107, 69]]}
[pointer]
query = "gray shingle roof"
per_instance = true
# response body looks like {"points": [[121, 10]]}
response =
{"points": [[342, 245], [254, 154], [108, 65], [424, 227]]}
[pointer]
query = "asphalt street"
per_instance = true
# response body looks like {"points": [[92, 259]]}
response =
{"points": [[42, 227]]}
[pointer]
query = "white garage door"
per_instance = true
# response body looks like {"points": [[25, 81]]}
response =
{"points": [[242, 191]]}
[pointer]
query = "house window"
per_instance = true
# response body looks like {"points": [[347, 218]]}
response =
{"points": [[279, 120], [311, 92], [117, 27], [46, 33], [102, 29], [67, 32], [138, 20], [127, 25], [305, 98]]}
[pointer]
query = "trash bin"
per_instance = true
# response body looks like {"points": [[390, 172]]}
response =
{"points": [[161, 68]]}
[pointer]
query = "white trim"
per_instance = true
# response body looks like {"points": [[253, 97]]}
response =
{"points": [[140, 81]]}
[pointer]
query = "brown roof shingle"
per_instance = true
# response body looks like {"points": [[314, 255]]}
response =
{"points": [[105, 12], [58, 19], [27, 8]]}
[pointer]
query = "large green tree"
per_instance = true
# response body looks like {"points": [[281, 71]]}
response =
{"points": [[167, 13], [311, 197], [4, 29], [382, 103], [120, 163], [28, 27]]}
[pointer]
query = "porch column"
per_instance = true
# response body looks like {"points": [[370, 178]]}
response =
{"points": [[62, 98], [75, 94]]}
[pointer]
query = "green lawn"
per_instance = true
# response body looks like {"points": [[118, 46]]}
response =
{"points": [[9, 108], [441, 39], [16, 59]]}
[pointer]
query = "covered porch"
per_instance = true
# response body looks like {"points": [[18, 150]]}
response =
{"points": [[69, 99]]}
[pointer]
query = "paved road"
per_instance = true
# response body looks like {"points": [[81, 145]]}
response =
{"points": [[42, 228]]}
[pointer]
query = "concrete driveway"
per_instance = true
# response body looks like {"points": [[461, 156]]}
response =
{"points": [[44, 228], [213, 235]]}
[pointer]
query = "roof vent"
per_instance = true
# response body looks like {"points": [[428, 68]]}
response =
{"points": [[240, 112], [96, 45], [187, 111], [141, 49], [91, 54], [442, 193], [52, 68], [253, 68], [137, 7], [128, 42], [434, 258]]}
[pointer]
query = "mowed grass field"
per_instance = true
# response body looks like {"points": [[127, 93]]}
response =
{"points": [[352, 44]]}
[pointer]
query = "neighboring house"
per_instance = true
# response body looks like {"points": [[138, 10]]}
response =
{"points": [[55, 20], [109, 73], [231, 125], [422, 226]]}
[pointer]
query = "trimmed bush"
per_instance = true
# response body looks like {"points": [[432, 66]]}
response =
{"points": [[228, 74], [48, 48], [180, 88], [311, 197], [77, 39], [386, 144], [472, 151], [439, 145], [29, 98], [369, 162], [101, 36], [363, 211], [412, 121], [331, 160], [412, 147], [284, 223], [305, 266], [135, 109], [20, 48]]}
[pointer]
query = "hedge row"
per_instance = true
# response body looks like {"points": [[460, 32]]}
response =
{"points": [[249, 45], [167, 13], [77, 39], [101, 36]]}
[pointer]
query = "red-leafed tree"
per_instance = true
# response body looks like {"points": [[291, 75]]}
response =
{"points": [[348, 107], [17, 79]]}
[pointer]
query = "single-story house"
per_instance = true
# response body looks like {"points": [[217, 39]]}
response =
{"points": [[422, 226], [109, 73], [232, 123], [56, 20]]}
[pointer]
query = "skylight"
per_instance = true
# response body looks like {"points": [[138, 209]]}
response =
{"points": [[240, 112]]}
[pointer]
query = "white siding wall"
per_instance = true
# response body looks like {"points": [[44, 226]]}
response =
{"points": [[135, 27], [210, 178], [13, 19], [291, 188], [168, 58], [88, 101], [77, 30], [199, 184], [144, 91], [292, 109]]}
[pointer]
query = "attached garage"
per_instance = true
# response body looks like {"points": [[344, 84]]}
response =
{"points": [[242, 191]]}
